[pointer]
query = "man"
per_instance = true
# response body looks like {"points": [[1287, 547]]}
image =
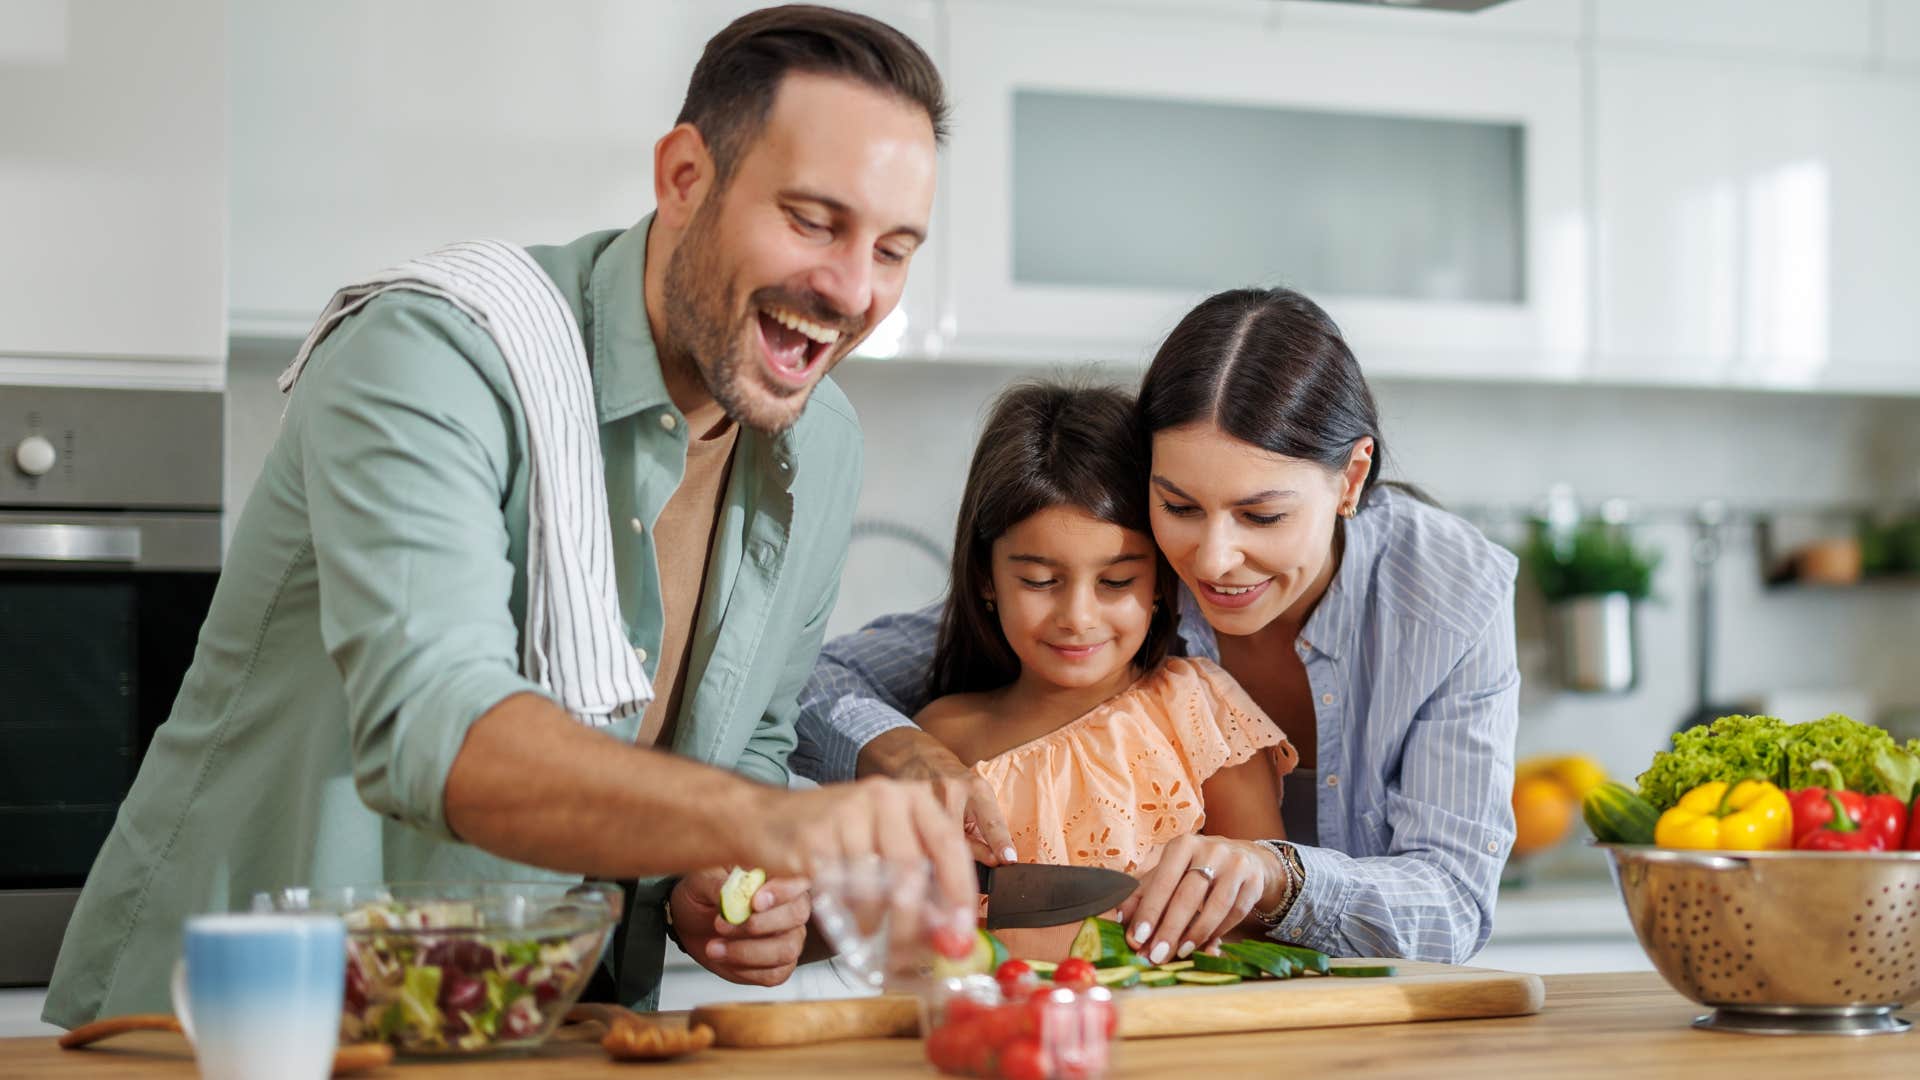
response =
{"points": [[356, 710]]}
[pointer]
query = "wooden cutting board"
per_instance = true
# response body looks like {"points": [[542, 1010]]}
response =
{"points": [[1418, 992]]}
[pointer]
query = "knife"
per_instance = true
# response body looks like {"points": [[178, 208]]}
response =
{"points": [[1031, 894]]}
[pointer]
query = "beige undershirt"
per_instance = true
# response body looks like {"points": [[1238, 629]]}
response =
{"points": [[682, 542]]}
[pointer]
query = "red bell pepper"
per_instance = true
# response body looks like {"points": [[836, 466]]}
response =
{"points": [[1835, 819]]}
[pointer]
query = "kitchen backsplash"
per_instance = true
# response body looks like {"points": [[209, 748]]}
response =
{"points": [[1491, 449]]}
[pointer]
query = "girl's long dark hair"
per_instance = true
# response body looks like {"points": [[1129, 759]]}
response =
{"points": [[1268, 367], [1045, 444]]}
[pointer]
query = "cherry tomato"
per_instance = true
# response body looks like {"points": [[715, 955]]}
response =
{"points": [[946, 1051], [1074, 974], [1025, 1060], [961, 1009], [1004, 1024], [953, 942]]}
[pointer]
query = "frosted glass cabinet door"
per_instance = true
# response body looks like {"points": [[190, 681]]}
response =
{"points": [[1109, 169]]}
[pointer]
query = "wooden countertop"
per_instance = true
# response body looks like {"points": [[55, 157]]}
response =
{"points": [[1593, 1025]]}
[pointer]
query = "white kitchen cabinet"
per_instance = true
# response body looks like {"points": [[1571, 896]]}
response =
{"points": [[368, 132], [1171, 136], [1754, 225], [113, 151], [1829, 31]]}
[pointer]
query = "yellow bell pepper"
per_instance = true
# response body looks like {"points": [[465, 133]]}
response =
{"points": [[1752, 815]]}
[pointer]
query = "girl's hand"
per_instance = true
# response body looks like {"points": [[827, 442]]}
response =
{"points": [[1179, 907]]}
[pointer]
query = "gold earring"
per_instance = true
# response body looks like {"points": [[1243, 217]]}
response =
{"points": [[1349, 510], [989, 603]]}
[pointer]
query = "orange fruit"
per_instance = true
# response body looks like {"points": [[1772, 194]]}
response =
{"points": [[1543, 813]]}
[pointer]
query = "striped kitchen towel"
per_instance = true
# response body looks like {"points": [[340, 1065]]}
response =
{"points": [[575, 644]]}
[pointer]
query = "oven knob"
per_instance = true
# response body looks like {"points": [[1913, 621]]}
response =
{"points": [[34, 455]]}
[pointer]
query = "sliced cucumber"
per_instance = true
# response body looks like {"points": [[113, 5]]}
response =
{"points": [[985, 959], [1102, 943], [1272, 961], [1118, 977], [736, 894], [1223, 965], [1174, 965], [1206, 978], [1159, 977], [1042, 969], [1364, 971]]}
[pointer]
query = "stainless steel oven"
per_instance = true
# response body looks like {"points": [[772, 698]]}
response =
{"points": [[109, 549]]}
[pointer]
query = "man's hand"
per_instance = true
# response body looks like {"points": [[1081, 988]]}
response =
{"points": [[908, 753], [791, 832], [759, 952]]}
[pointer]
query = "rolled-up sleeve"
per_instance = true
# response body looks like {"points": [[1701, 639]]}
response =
{"points": [[865, 684], [406, 451], [1431, 897]]}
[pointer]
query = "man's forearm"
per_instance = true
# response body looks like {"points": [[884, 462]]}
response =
{"points": [[532, 785], [896, 752]]}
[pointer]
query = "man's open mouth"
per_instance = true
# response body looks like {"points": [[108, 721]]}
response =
{"points": [[793, 343]]}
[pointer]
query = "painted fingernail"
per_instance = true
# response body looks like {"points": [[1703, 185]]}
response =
{"points": [[1009, 854], [1142, 932], [1159, 954], [1186, 949]]}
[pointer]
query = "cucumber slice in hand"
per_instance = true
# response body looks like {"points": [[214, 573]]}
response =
{"points": [[736, 894]]}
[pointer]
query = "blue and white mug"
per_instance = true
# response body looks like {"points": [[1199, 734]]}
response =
{"points": [[259, 995]]}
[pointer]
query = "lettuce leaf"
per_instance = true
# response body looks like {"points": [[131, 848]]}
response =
{"points": [[1735, 748]]}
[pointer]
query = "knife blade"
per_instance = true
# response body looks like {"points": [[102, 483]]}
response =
{"points": [[1030, 894]]}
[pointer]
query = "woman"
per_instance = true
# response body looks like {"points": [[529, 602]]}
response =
{"points": [[1376, 630]]}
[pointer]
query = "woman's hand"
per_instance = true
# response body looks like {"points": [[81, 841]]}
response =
{"points": [[1180, 906]]}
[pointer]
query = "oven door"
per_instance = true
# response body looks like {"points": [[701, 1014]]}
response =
{"points": [[98, 618]]}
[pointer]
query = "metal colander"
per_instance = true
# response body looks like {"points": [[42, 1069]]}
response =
{"points": [[1779, 942]]}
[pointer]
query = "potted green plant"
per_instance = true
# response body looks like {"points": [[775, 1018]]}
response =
{"points": [[1592, 576]]}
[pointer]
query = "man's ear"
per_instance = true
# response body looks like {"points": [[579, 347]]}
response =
{"points": [[683, 173]]}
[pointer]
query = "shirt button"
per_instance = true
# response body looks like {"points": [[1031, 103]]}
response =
{"points": [[669, 421], [1302, 645], [1493, 845], [640, 654], [1326, 699], [638, 525], [1333, 780]]}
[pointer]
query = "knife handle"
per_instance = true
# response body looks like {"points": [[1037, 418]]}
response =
{"points": [[796, 1023], [984, 874]]}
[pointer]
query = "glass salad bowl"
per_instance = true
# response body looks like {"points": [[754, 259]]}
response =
{"points": [[461, 967]]}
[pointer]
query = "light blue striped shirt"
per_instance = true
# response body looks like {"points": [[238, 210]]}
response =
{"points": [[1410, 655]]}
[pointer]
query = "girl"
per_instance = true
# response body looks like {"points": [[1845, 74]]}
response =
{"points": [[1050, 677]]}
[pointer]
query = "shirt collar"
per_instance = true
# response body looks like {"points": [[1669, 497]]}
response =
{"points": [[1335, 620], [626, 367]]}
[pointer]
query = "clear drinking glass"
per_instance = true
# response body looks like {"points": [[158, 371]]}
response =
{"points": [[876, 913]]}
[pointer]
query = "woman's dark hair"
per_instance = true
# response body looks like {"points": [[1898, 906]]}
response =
{"points": [[1045, 444], [739, 73], [1268, 367]]}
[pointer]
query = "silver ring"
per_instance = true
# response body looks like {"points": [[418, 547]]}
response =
{"points": [[1203, 871]]}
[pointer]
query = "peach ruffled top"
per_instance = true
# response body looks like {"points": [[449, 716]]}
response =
{"points": [[1114, 785]]}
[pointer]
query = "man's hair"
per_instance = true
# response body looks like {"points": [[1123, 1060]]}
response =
{"points": [[734, 84]]}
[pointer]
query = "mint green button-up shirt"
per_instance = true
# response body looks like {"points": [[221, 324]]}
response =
{"points": [[371, 606]]}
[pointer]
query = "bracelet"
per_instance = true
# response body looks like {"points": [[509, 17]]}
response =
{"points": [[1296, 879]]}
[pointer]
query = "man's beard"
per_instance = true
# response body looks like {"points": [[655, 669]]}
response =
{"points": [[701, 336]]}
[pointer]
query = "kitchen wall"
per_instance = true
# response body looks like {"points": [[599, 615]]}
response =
{"points": [[1489, 449]]}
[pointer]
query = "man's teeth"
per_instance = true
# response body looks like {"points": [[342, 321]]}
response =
{"points": [[823, 335], [1234, 590]]}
